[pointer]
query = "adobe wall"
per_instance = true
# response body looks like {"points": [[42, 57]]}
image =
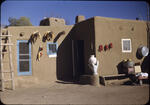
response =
{"points": [[108, 30], [45, 70], [94, 32]]}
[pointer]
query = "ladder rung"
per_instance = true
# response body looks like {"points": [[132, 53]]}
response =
{"points": [[4, 52], [6, 71], [3, 38], [8, 44], [2, 80], [4, 61], [7, 80], [5, 35]]}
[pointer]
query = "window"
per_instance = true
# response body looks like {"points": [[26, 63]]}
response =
{"points": [[52, 49], [126, 45], [24, 57]]}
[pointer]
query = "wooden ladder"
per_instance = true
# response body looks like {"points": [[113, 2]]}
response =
{"points": [[3, 63]]}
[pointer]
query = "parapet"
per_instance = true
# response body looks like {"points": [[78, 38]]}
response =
{"points": [[52, 22], [79, 18]]}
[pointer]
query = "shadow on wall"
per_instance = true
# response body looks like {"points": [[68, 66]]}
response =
{"points": [[64, 68], [80, 32], [145, 66], [138, 56], [58, 36]]}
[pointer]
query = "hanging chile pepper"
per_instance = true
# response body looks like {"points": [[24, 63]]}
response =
{"points": [[110, 45], [100, 48], [106, 47], [39, 55]]}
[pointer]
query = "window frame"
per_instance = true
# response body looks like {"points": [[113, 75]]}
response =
{"points": [[18, 60], [126, 51], [51, 54]]}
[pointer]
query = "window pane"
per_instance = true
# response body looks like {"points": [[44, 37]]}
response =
{"points": [[24, 57], [52, 48], [24, 66], [23, 48], [126, 45]]}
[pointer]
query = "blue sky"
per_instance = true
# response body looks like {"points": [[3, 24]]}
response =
{"points": [[36, 10]]}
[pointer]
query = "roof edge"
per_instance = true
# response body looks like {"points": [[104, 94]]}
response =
{"points": [[117, 19]]}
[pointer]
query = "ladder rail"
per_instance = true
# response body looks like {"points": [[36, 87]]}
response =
{"points": [[5, 35], [11, 70], [8, 44], [10, 63], [1, 65]]}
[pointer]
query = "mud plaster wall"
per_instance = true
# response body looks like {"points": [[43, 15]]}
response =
{"points": [[109, 30], [94, 31], [43, 71]]}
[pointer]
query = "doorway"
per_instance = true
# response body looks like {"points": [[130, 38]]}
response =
{"points": [[78, 58]]}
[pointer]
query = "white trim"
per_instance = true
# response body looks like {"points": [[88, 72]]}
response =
{"points": [[50, 56], [126, 51]]}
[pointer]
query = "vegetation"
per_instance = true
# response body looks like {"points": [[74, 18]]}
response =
{"points": [[23, 21]]}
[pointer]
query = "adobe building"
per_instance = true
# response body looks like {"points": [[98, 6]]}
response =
{"points": [[64, 56]]}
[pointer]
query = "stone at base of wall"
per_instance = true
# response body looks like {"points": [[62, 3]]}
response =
{"points": [[89, 79]]}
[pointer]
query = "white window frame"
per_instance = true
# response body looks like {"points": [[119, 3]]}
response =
{"points": [[126, 51]]}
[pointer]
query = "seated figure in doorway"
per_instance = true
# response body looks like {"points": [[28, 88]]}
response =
{"points": [[93, 64]]}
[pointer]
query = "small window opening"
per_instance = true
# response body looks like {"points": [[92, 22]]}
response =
{"points": [[126, 45]]}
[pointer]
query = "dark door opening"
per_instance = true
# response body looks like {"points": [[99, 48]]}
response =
{"points": [[78, 58]]}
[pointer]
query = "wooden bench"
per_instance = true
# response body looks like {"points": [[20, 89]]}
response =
{"points": [[103, 79], [137, 69]]}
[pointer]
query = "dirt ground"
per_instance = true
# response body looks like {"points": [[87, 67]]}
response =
{"points": [[68, 93]]}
